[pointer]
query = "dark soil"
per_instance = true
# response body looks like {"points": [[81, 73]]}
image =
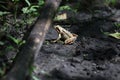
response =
{"points": [[94, 55]]}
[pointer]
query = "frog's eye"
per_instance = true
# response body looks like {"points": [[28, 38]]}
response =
{"points": [[57, 29]]}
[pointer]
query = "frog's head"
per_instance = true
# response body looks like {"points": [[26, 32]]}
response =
{"points": [[58, 28]]}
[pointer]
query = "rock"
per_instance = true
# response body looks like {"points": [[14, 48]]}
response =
{"points": [[52, 34]]}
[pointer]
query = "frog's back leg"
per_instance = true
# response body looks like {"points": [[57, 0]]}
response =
{"points": [[70, 40]]}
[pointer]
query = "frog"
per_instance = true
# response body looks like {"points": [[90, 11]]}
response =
{"points": [[65, 35]]}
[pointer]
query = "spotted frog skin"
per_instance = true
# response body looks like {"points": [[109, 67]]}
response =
{"points": [[67, 36]]}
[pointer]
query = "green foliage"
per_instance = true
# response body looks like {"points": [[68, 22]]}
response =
{"points": [[41, 2], [112, 2], [117, 25], [27, 1], [1, 72], [12, 20], [2, 13], [35, 78], [15, 0], [15, 8], [32, 9], [114, 35], [18, 42], [9, 48], [1, 43], [31, 71], [2, 69], [66, 7]]}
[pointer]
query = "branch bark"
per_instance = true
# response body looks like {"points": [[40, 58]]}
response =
{"points": [[34, 42]]}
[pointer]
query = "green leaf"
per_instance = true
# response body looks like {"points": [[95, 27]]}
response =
{"points": [[112, 2], [1, 43], [66, 7], [24, 10], [16, 41], [40, 2], [27, 1], [115, 35], [10, 48], [35, 78], [3, 13], [15, 0], [1, 71], [117, 25], [30, 9], [61, 17]]}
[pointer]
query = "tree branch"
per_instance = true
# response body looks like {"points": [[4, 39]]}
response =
{"points": [[34, 42]]}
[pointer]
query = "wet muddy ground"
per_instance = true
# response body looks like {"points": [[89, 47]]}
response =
{"points": [[93, 56]]}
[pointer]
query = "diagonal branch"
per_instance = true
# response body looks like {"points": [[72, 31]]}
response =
{"points": [[34, 42]]}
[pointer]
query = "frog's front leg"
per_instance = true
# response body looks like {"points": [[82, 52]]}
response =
{"points": [[59, 36]]}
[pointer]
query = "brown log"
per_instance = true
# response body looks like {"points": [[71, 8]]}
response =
{"points": [[34, 42]]}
